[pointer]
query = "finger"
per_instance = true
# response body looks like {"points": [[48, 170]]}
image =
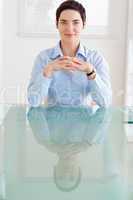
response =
{"points": [[76, 60], [66, 62], [76, 65], [65, 58], [69, 68], [71, 65]]}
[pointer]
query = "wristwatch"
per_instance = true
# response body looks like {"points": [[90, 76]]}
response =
{"points": [[91, 75]]}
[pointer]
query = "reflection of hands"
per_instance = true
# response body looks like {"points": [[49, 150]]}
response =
{"points": [[67, 63]]}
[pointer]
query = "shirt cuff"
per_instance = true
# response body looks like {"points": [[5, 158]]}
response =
{"points": [[96, 83]]}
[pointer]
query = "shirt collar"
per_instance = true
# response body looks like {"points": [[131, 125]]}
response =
{"points": [[81, 51], [57, 52]]}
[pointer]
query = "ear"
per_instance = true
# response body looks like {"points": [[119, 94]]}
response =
{"points": [[84, 25]]}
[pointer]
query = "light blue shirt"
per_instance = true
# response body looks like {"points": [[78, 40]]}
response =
{"points": [[70, 88]]}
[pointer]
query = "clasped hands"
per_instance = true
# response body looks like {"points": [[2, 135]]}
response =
{"points": [[67, 63]]}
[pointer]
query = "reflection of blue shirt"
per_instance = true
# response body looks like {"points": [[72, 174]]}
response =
{"points": [[52, 124], [70, 88]]}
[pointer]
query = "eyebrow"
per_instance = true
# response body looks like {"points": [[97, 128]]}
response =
{"points": [[65, 20]]}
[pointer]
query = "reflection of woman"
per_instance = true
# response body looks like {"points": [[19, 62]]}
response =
{"points": [[67, 125], [67, 132], [68, 73]]}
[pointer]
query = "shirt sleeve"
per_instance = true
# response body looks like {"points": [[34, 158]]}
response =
{"points": [[38, 86], [100, 87]]}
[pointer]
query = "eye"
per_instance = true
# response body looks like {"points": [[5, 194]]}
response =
{"points": [[76, 22], [63, 22]]}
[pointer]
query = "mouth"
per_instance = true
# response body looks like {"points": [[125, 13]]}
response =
{"points": [[69, 35]]}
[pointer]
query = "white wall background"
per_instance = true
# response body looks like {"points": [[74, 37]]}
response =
{"points": [[129, 72], [1, 49], [19, 53]]}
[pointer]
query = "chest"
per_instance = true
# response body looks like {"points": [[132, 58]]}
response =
{"points": [[68, 81]]}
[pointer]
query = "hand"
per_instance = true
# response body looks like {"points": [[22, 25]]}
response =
{"points": [[82, 65], [67, 63], [62, 63]]}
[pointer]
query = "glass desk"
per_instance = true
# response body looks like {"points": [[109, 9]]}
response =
{"points": [[64, 153]]}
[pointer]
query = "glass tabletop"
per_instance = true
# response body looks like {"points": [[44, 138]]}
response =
{"points": [[64, 153]]}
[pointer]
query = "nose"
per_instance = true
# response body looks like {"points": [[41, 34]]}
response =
{"points": [[70, 28]]}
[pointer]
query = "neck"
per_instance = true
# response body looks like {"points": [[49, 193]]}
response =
{"points": [[69, 49]]}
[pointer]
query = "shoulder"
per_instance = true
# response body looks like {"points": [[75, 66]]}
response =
{"points": [[42, 58], [45, 54], [93, 53], [95, 57]]}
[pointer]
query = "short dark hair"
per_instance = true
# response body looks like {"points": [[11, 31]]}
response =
{"points": [[72, 5]]}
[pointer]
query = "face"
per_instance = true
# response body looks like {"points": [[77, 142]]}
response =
{"points": [[70, 25]]}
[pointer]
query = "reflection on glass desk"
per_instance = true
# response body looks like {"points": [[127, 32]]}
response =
{"points": [[64, 153]]}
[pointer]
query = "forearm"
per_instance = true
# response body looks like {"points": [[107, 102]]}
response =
{"points": [[38, 90], [48, 71], [101, 91]]}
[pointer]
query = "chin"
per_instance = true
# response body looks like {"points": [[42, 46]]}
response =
{"points": [[70, 38]]}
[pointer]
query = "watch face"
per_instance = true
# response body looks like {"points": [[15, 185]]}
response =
{"points": [[92, 72], [91, 75]]}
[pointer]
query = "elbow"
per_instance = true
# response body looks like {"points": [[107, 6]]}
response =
{"points": [[106, 100], [33, 100]]}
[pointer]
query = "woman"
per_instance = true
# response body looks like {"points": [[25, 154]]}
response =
{"points": [[70, 73]]}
